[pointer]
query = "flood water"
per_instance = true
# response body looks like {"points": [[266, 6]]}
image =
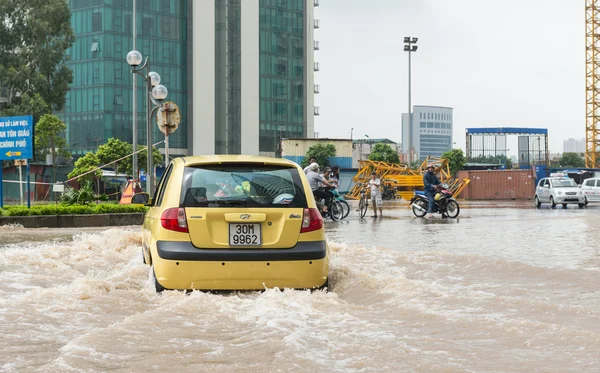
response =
{"points": [[498, 290]]}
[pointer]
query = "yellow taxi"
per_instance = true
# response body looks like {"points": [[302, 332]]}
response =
{"points": [[234, 223]]}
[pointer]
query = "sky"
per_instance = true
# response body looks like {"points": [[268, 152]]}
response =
{"points": [[511, 63]]}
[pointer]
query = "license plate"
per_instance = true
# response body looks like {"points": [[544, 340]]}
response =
{"points": [[245, 234]]}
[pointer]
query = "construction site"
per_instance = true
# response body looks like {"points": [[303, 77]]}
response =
{"points": [[400, 181]]}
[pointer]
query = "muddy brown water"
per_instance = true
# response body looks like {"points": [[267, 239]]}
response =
{"points": [[498, 290]]}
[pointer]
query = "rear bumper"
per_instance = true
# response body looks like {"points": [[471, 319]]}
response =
{"points": [[182, 266], [173, 250]]}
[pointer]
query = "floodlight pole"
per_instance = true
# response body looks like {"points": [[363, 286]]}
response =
{"points": [[409, 47]]}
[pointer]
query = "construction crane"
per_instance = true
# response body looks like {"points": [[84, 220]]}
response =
{"points": [[592, 86]]}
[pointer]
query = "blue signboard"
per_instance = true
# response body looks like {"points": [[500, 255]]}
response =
{"points": [[16, 137]]}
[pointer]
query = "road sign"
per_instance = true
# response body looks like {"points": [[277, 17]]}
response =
{"points": [[168, 116], [16, 137]]}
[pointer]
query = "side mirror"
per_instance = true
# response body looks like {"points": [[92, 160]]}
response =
{"points": [[150, 203], [140, 198]]}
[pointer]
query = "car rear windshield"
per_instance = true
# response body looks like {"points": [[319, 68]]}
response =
{"points": [[247, 185], [563, 183]]}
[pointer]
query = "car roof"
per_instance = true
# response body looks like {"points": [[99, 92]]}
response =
{"points": [[220, 159]]}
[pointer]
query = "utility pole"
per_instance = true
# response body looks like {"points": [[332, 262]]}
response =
{"points": [[409, 47]]}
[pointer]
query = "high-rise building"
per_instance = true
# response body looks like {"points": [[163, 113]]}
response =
{"points": [[241, 72], [253, 67], [99, 103], [431, 132], [574, 146]]}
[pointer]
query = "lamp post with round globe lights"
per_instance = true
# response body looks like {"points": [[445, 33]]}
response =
{"points": [[155, 93]]}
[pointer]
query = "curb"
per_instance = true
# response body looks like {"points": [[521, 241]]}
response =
{"points": [[74, 221]]}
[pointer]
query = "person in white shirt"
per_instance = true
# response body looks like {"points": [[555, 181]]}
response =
{"points": [[310, 161], [375, 185]]}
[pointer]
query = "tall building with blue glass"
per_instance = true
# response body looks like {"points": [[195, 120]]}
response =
{"points": [[99, 103], [241, 72], [252, 74]]}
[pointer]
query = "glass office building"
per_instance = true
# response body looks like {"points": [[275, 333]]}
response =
{"points": [[99, 104], [241, 72], [432, 132], [253, 62]]}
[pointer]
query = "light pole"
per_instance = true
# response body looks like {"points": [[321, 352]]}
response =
{"points": [[154, 92], [409, 47]]}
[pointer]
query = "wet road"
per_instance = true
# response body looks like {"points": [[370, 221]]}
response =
{"points": [[497, 290]]}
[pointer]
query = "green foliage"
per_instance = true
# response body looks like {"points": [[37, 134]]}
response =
{"points": [[34, 37], [384, 153], [113, 150], [571, 160], [456, 160], [82, 196], [157, 158], [85, 164], [28, 105], [69, 210], [320, 151], [49, 138]]}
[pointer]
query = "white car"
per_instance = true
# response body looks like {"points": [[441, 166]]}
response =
{"points": [[591, 189], [557, 191]]}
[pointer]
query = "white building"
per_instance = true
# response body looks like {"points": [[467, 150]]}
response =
{"points": [[574, 146], [252, 74], [431, 133]]}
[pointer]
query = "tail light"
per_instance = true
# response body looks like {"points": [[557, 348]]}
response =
{"points": [[174, 219], [312, 221]]}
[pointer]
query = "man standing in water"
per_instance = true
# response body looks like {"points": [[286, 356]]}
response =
{"points": [[430, 181], [375, 184]]}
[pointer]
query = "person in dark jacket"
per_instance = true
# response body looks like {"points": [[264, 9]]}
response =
{"points": [[430, 180]]}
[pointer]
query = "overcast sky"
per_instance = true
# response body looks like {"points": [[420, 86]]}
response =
{"points": [[511, 63]]}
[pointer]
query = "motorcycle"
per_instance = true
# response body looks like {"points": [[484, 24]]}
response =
{"points": [[335, 210], [389, 192], [443, 203]]}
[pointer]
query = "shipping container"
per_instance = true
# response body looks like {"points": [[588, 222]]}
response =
{"points": [[498, 184], [296, 149]]}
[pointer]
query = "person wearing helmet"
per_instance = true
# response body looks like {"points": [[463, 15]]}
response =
{"points": [[310, 161], [316, 182], [430, 180], [326, 173]]}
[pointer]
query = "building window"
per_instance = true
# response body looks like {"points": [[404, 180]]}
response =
{"points": [[95, 47], [96, 21]]}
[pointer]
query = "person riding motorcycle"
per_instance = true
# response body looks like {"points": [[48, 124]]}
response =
{"points": [[316, 182], [431, 181]]}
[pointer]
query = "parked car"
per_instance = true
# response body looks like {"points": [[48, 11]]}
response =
{"points": [[234, 223], [558, 190], [591, 189]]}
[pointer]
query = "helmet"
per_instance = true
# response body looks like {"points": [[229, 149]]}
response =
{"points": [[327, 169], [313, 166], [430, 165], [438, 196]]}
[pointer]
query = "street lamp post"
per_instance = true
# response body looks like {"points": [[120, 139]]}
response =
{"points": [[155, 93], [409, 47]]}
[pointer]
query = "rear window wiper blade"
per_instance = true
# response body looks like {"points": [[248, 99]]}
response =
{"points": [[229, 202]]}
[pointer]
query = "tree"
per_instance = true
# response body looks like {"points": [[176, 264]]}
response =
{"points": [[320, 151], [34, 37], [115, 149], [456, 160], [571, 160], [383, 153], [49, 139], [85, 164], [157, 158]]}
